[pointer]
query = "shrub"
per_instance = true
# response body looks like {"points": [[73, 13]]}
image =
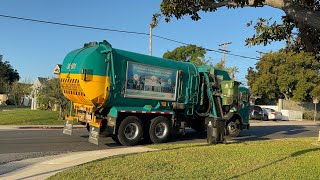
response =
{"points": [[309, 115]]}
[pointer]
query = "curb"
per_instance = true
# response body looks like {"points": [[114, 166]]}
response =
{"points": [[48, 127], [27, 127]]}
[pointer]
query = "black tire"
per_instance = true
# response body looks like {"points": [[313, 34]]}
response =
{"points": [[233, 127], [159, 130], [265, 118], [130, 131]]}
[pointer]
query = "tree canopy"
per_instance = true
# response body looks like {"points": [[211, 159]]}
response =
{"points": [[196, 55], [18, 91], [190, 53], [51, 94], [304, 15], [8, 75], [285, 74]]}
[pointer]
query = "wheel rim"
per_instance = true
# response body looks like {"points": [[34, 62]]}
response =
{"points": [[233, 128], [161, 130], [131, 131]]}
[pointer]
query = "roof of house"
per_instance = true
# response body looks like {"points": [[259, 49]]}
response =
{"points": [[42, 80]]}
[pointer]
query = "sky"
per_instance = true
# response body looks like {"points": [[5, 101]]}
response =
{"points": [[34, 49]]}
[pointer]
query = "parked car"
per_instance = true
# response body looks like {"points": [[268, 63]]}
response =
{"points": [[271, 114], [256, 112]]}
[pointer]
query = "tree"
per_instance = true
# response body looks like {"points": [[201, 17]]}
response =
{"points": [[8, 75], [51, 94], [190, 53], [301, 14], [18, 91], [285, 74]]}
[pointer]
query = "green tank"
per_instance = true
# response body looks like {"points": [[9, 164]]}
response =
{"points": [[102, 76]]}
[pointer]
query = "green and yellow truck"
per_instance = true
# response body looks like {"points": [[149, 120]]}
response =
{"points": [[130, 96]]}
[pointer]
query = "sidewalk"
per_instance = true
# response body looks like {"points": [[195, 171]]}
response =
{"points": [[45, 169]]}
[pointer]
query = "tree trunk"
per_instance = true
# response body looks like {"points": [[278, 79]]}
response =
{"points": [[302, 15]]}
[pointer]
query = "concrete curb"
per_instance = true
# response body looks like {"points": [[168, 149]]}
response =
{"points": [[12, 127], [45, 169]]}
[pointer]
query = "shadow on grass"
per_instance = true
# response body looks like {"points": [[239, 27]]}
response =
{"points": [[298, 153]]}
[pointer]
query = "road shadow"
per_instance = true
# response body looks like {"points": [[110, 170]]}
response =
{"points": [[273, 132], [255, 133]]}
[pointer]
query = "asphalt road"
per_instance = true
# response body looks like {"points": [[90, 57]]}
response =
{"points": [[19, 144]]}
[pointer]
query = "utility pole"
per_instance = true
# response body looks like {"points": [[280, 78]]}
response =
{"points": [[150, 40], [153, 24], [224, 51]]}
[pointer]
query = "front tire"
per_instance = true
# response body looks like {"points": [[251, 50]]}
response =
{"points": [[130, 131], [233, 127], [159, 130]]}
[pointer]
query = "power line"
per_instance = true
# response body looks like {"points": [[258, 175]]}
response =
{"points": [[116, 30], [72, 25]]}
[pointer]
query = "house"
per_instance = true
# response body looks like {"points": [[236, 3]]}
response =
{"points": [[3, 98], [37, 85]]}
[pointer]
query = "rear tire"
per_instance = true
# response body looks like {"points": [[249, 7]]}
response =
{"points": [[159, 130], [130, 131]]}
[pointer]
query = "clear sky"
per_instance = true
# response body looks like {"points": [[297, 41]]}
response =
{"points": [[34, 49]]}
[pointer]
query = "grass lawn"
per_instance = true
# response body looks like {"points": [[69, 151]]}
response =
{"points": [[276, 159], [10, 115]]}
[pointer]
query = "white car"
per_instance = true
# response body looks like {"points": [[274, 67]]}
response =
{"points": [[271, 114]]}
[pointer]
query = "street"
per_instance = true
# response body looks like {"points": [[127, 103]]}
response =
{"points": [[22, 144]]}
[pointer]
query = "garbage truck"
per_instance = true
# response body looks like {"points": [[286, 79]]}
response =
{"points": [[132, 97]]}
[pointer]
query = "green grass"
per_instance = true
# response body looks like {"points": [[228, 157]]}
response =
{"points": [[10, 115], [277, 159]]}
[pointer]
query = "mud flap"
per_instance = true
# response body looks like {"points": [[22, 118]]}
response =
{"points": [[68, 126], [94, 135]]}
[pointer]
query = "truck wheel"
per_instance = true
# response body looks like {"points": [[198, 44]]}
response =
{"points": [[130, 131], [159, 130], [233, 127]]}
